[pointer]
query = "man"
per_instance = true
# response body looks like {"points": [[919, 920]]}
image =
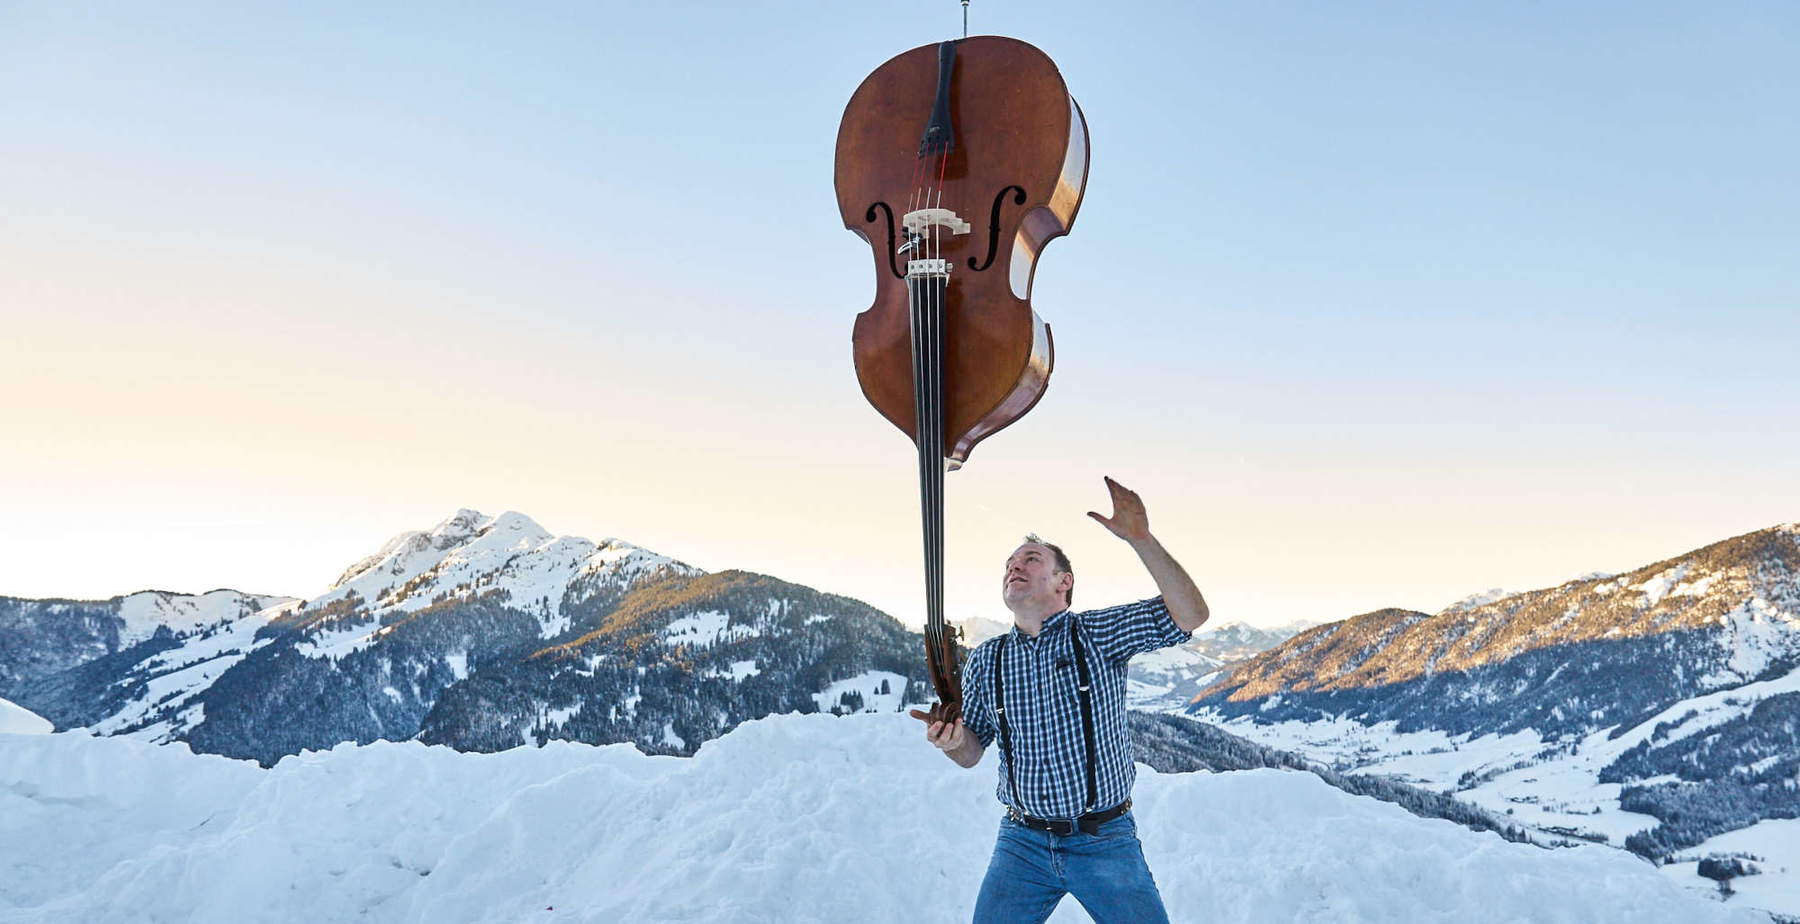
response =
{"points": [[1065, 766]]}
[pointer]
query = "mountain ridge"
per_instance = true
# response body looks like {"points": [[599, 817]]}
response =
{"points": [[480, 603], [1393, 646]]}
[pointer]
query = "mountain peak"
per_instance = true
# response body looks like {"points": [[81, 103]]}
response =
{"points": [[474, 555], [459, 526]]}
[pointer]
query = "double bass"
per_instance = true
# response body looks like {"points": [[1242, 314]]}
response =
{"points": [[957, 163]]}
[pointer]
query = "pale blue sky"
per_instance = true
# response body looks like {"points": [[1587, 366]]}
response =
{"points": [[1378, 304]]}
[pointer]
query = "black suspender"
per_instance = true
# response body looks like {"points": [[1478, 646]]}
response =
{"points": [[1083, 692], [1012, 785]]}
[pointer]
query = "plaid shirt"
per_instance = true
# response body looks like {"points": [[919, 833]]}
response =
{"points": [[1044, 715]]}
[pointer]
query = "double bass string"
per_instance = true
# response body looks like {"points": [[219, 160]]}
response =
{"points": [[939, 289], [927, 296], [930, 429], [922, 416], [930, 423]]}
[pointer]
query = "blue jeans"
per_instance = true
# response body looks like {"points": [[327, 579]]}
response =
{"points": [[1031, 870]]}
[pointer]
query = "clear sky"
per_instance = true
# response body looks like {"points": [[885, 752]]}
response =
{"points": [[1376, 304]]}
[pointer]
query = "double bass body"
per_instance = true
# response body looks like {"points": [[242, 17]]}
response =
{"points": [[1014, 171], [957, 163]]}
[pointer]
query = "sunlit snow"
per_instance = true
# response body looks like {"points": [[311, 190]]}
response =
{"points": [[791, 819]]}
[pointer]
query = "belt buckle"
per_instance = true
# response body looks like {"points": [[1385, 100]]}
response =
{"points": [[1062, 827]]}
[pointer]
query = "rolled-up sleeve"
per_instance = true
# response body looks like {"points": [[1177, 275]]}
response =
{"points": [[1133, 628], [977, 688]]}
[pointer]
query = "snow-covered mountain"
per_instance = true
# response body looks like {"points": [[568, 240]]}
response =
{"points": [[1237, 640], [792, 818], [978, 629], [1657, 710], [41, 637], [481, 632], [1728, 614], [1171, 678]]}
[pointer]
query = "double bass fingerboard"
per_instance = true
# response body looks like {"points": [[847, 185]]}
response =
{"points": [[925, 289]]}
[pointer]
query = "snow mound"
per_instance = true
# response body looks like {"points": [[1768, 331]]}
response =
{"points": [[18, 720], [790, 818]]}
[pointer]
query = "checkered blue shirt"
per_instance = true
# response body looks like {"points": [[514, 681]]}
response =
{"points": [[1044, 715]]}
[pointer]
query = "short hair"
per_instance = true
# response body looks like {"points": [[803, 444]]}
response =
{"points": [[1062, 563]]}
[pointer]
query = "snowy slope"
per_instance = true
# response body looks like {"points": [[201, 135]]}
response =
{"points": [[1555, 786], [172, 681], [1772, 843], [42, 638], [185, 614], [791, 818], [18, 720], [1167, 679]]}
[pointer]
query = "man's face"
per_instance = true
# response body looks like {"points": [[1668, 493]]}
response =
{"points": [[1032, 581]]}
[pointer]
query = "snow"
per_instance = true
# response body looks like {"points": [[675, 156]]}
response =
{"points": [[536, 579], [340, 637], [1515, 777], [468, 556], [1758, 633], [143, 612], [791, 818], [1561, 792], [1167, 679], [1479, 599], [401, 559], [18, 720], [703, 630], [616, 558], [1714, 709], [739, 670], [1777, 886], [1659, 586], [868, 684], [172, 679], [1697, 588], [459, 665]]}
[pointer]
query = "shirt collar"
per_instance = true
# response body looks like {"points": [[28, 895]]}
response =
{"points": [[1050, 623]]}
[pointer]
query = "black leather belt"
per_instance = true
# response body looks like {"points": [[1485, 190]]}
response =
{"points": [[1088, 824]]}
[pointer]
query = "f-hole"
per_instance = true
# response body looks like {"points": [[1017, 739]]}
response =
{"points": [[993, 226], [893, 266]]}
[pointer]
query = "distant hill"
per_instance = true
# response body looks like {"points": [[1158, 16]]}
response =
{"points": [[1237, 640]]}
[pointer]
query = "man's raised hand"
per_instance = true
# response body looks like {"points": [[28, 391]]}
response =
{"points": [[1129, 521]]}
